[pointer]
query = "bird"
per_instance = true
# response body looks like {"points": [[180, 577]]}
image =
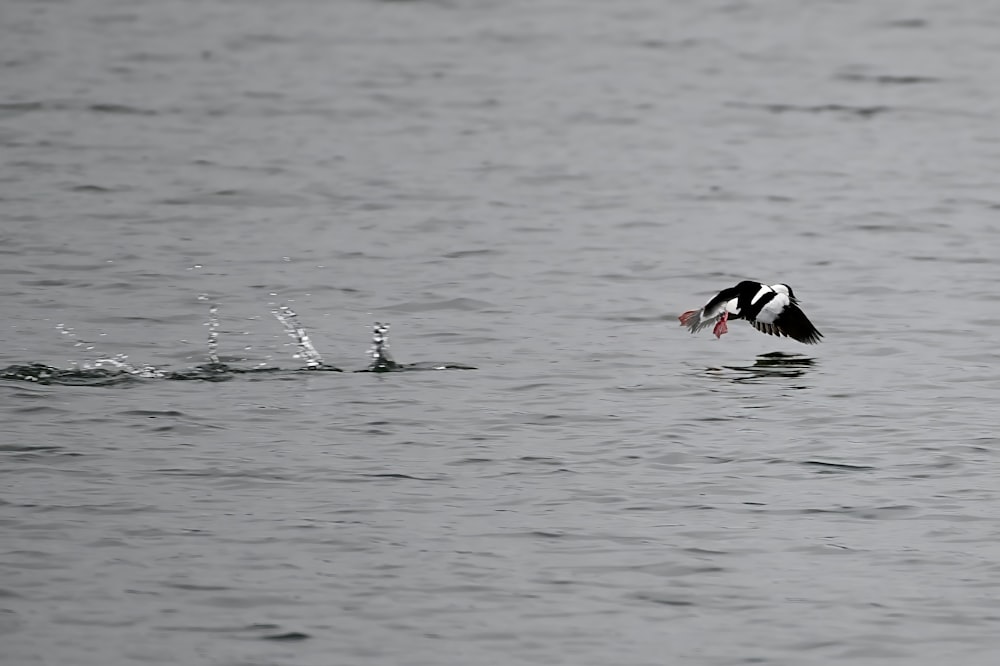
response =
{"points": [[771, 309]]}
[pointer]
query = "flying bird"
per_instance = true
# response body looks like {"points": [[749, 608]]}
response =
{"points": [[770, 309]]}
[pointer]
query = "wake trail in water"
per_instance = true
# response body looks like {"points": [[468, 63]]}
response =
{"points": [[116, 369]]}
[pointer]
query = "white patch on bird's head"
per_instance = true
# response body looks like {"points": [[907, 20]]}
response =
{"points": [[784, 289]]}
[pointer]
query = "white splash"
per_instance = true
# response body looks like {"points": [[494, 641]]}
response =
{"points": [[307, 352]]}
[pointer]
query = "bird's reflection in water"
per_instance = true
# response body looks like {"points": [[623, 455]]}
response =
{"points": [[766, 366]]}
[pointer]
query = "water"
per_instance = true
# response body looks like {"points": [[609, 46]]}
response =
{"points": [[535, 189]]}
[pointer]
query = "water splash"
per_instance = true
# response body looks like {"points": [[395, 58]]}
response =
{"points": [[379, 351], [307, 352], [111, 370], [121, 362], [213, 331], [382, 360]]}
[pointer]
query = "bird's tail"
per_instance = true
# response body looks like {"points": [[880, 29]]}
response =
{"points": [[695, 320], [689, 316]]}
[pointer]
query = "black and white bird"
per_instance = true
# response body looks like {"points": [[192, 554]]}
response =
{"points": [[770, 309]]}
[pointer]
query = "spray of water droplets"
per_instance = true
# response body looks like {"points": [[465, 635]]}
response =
{"points": [[111, 369], [213, 333], [290, 320], [71, 335], [118, 361], [379, 351]]}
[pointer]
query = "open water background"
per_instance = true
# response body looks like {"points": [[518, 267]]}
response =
{"points": [[535, 188]]}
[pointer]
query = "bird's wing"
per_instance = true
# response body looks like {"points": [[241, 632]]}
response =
{"points": [[790, 321]]}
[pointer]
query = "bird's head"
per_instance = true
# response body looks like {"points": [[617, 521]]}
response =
{"points": [[784, 289]]}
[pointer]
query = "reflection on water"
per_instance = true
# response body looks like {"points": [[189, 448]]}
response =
{"points": [[765, 366]]}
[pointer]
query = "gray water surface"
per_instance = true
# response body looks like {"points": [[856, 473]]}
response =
{"points": [[536, 189]]}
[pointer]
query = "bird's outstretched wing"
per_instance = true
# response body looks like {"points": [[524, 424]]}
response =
{"points": [[791, 321]]}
